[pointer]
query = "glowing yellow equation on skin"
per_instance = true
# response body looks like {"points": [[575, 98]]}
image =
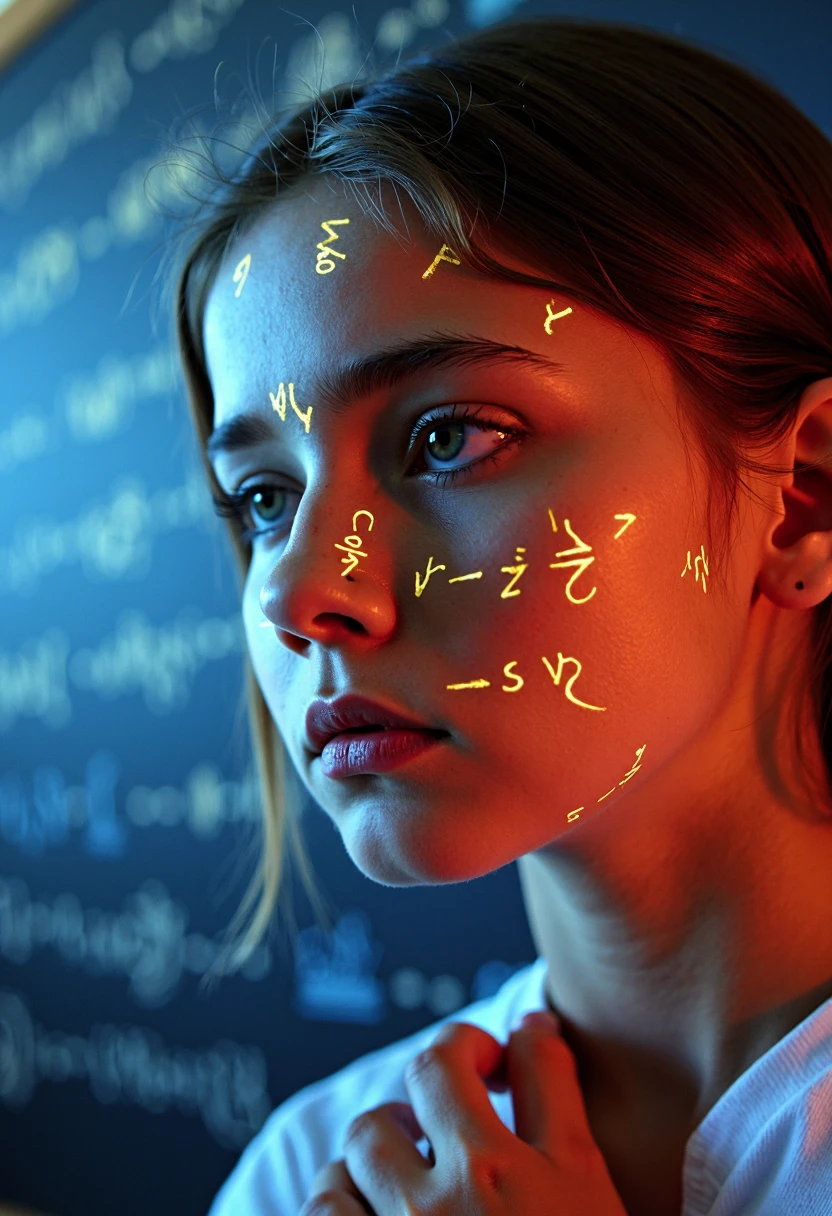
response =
{"points": [[278, 401], [352, 545], [445, 254], [581, 562], [241, 274], [517, 570], [367, 513], [570, 681], [697, 560], [420, 586], [512, 675], [556, 677], [573, 815], [324, 263], [629, 520], [553, 316]]}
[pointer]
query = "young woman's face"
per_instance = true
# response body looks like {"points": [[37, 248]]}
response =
{"points": [[591, 636]]}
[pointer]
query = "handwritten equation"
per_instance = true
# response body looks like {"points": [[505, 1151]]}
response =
{"points": [[278, 401], [445, 254], [553, 316], [576, 814], [556, 679], [352, 544], [700, 557], [323, 262], [241, 274], [581, 562]]}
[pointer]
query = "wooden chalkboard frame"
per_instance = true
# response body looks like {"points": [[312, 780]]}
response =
{"points": [[22, 21]]}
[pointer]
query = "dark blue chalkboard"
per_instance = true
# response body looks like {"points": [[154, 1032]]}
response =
{"points": [[127, 791]]}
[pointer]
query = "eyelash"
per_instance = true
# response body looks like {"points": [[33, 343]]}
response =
{"points": [[235, 505]]}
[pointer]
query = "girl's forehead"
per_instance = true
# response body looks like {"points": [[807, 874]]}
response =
{"points": [[317, 280], [317, 272]]}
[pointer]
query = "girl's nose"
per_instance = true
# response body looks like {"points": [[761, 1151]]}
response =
{"points": [[314, 598]]}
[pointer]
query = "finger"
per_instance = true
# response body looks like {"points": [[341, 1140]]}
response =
{"points": [[446, 1086], [549, 1110], [381, 1155], [334, 1193]]}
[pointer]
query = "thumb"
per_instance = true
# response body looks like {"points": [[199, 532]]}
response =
{"points": [[549, 1110]]}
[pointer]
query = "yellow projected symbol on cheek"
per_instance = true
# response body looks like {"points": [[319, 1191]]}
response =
{"points": [[582, 563], [445, 254], [629, 520], [324, 263], [639, 753], [471, 684], [512, 675], [461, 578], [241, 273], [697, 560], [506, 593], [279, 403], [367, 513], [420, 586], [553, 316], [570, 681], [573, 815]]}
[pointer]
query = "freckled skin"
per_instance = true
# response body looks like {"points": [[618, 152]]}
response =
{"points": [[690, 898]]}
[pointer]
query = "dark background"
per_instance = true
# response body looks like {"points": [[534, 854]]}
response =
{"points": [[127, 793]]}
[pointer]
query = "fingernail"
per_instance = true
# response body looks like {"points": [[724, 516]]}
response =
{"points": [[544, 1018]]}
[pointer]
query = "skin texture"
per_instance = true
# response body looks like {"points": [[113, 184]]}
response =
{"points": [[686, 917]]}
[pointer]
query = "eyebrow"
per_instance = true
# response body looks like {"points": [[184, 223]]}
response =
{"points": [[337, 390]]}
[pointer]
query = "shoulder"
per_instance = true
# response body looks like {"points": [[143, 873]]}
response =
{"points": [[275, 1172]]}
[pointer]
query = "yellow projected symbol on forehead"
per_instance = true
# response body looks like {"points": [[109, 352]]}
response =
{"points": [[582, 563], [553, 316], [324, 263], [517, 570], [279, 404], [471, 684], [445, 254], [463, 578], [570, 681], [697, 560], [241, 273]]}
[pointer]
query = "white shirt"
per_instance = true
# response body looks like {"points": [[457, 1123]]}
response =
{"points": [[764, 1149]]}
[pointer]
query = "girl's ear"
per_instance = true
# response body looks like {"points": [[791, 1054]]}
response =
{"points": [[796, 569]]}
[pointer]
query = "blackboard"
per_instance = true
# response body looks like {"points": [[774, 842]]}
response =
{"points": [[127, 787]]}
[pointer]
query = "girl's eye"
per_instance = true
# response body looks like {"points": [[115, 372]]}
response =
{"points": [[261, 501], [445, 440]]}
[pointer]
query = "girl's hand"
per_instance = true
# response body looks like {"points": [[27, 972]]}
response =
{"points": [[551, 1167]]}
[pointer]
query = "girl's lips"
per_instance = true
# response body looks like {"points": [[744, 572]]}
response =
{"points": [[366, 750]]}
